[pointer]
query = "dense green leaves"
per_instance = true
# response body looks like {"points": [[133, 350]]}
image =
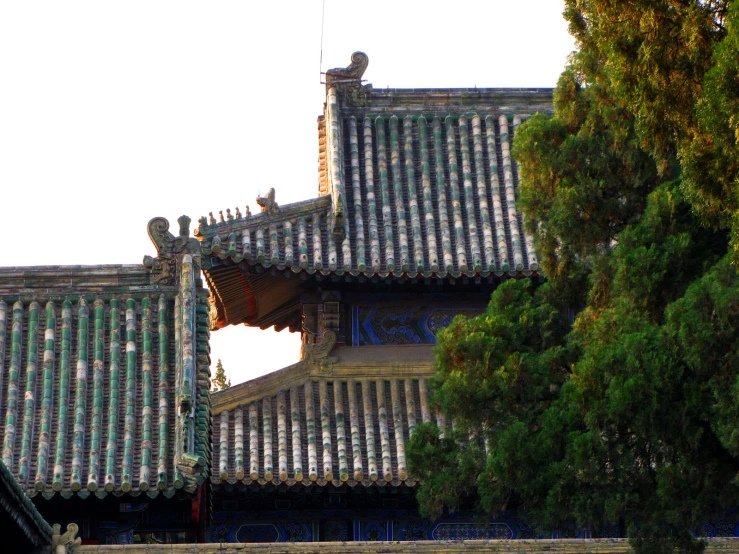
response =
{"points": [[705, 323], [507, 365], [653, 56], [583, 175], [673, 65], [711, 156], [630, 415], [630, 189]]}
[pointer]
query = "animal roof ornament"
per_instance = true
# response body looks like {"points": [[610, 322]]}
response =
{"points": [[352, 74]]}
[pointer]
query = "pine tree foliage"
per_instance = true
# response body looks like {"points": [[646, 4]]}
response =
{"points": [[219, 381], [631, 414]]}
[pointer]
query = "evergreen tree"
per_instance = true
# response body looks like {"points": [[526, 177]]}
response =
{"points": [[220, 381], [674, 65], [630, 190]]}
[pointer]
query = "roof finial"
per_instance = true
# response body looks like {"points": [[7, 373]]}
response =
{"points": [[351, 74], [347, 81], [184, 222], [268, 203]]}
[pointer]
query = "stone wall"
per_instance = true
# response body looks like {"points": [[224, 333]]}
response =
{"points": [[550, 546]]}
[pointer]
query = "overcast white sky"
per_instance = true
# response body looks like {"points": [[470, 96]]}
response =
{"points": [[112, 113]]}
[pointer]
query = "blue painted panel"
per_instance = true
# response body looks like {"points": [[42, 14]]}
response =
{"points": [[378, 321], [257, 532]]}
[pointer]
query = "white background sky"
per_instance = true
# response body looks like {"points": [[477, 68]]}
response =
{"points": [[112, 113]]}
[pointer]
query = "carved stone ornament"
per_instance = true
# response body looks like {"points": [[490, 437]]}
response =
{"points": [[315, 352], [66, 543], [216, 319], [348, 80], [351, 74], [326, 366], [268, 203], [170, 249]]}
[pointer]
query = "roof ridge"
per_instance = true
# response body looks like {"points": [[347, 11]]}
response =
{"points": [[208, 228]]}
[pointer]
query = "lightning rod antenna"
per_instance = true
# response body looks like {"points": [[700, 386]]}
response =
{"points": [[320, 62]]}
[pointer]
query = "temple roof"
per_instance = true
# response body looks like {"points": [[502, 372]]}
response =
{"points": [[345, 420], [415, 183], [104, 375]]}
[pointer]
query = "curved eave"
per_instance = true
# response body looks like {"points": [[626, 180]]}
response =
{"points": [[366, 483], [241, 294], [86, 493], [260, 266], [233, 296]]}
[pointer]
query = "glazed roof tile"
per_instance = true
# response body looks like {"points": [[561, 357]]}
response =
{"points": [[95, 364], [416, 182], [300, 426]]}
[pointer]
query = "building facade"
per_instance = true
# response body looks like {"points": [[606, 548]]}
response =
{"points": [[415, 222], [106, 419]]}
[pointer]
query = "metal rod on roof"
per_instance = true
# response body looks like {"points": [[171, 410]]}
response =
{"points": [[320, 63]]}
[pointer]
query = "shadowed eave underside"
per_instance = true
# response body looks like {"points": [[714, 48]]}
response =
{"points": [[18, 507]]}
